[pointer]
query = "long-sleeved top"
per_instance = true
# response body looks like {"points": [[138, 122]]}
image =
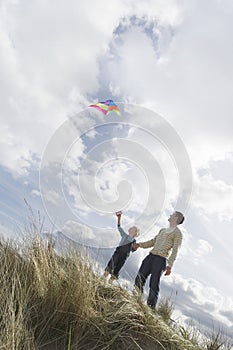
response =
{"points": [[125, 238], [166, 244]]}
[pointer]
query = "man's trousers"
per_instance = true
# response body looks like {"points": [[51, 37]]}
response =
{"points": [[152, 265]]}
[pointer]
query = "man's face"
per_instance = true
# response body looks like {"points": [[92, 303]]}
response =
{"points": [[173, 218]]}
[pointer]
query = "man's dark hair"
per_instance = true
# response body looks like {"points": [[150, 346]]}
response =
{"points": [[180, 218]]}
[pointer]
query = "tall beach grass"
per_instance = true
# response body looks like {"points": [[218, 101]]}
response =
{"points": [[50, 302]]}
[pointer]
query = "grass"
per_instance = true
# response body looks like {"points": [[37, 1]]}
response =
{"points": [[165, 309], [49, 302]]}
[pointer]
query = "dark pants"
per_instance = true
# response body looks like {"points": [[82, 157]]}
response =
{"points": [[154, 265], [118, 259]]}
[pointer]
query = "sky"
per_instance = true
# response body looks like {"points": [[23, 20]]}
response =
{"points": [[168, 66]]}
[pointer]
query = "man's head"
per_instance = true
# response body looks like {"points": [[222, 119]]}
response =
{"points": [[134, 231], [176, 218]]}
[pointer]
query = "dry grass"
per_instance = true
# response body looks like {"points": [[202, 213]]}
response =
{"points": [[51, 302]]}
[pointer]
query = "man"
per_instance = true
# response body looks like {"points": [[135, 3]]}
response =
{"points": [[165, 246]]}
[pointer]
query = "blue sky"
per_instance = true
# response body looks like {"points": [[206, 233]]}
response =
{"points": [[168, 63]]}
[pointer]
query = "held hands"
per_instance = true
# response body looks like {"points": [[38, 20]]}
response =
{"points": [[118, 213], [167, 271], [135, 246]]}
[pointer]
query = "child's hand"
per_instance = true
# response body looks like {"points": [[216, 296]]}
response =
{"points": [[118, 213], [135, 246]]}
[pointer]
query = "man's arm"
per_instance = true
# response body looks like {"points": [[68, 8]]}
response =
{"points": [[176, 246], [146, 244]]}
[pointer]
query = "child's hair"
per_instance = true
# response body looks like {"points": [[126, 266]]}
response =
{"points": [[137, 230]]}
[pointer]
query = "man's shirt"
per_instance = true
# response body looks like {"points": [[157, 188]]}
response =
{"points": [[166, 244]]}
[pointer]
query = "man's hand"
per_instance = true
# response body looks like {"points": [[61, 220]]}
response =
{"points": [[119, 213], [135, 246], [168, 271]]}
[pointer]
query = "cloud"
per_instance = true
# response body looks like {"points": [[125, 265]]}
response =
{"points": [[77, 231], [193, 249], [48, 67], [203, 248], [185, 81], [40, 98], [12, 231], [220, 169], [5, 232], [213, 197], [162, 156], [228, 314], [199, 303], [52, 197]]}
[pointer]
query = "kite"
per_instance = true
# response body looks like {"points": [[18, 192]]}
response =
{"points": [[106, 107]]}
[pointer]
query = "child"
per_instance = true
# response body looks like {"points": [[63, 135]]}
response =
{"points": [[122, 251]]}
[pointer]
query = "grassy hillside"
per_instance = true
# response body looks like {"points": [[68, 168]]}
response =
{"points": [[51, 302]]}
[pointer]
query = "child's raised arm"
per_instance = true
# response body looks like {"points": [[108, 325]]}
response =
{"points": [[120, 229], [118, 214]]}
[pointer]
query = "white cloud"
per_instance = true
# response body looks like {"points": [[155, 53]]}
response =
{"points": [[12, 231], [199, 302], [52, 197], [149, 61], [199, 253], [164, 159], [213, 197], [193, 249], [77, 231], [122, 174], [5, 232], [36, 193], [203, 248], [98, 187], [188, 83], [50, 56], [48, 66]]}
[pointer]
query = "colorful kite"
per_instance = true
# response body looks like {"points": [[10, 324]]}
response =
{"points": [[106, 107]]}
